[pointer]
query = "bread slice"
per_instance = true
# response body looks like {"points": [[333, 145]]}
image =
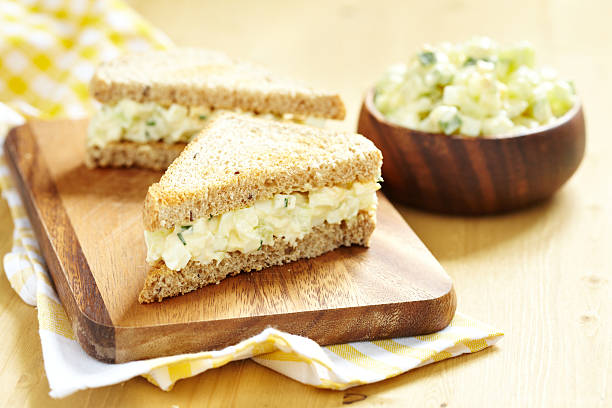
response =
{"points": [[196, 77], [155, 156], [162, 282], [237, 160]]}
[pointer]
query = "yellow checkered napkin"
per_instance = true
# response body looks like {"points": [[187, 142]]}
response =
{"points": [[48, 51]]}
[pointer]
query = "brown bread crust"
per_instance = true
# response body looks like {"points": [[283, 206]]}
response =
{"points": [[155, 155]]}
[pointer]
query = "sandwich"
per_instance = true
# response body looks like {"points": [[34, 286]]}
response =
{"points": [[153, 103], [249, 193]]}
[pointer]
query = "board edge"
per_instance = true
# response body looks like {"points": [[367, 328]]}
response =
{"points": [[131, 344], [96, 335]]}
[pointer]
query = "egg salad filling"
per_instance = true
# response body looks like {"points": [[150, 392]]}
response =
{"points": [[475, 88], [150, 122], [285, 216]]}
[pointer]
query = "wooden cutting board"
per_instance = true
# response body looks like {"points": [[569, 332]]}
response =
{"points": [[88, 223]]}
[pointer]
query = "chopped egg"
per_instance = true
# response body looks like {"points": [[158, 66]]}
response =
{"points": [[147, 122], [286, 216]]}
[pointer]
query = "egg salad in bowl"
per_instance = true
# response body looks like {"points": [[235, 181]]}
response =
{"points": [[477, 88]]}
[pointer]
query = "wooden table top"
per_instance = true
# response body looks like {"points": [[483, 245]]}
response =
{"points": [[542, 275]]}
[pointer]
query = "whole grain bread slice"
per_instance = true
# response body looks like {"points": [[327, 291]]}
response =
{"points": [[196, 77], [162, 282], [152, 155], [237, 160]]}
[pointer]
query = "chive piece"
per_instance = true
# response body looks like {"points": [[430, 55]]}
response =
{"points": [[473, 61], [147, 135], [286, 202], [260, 245], [150, 123], [427, 58], [202, 117], [469, 61], [209, 217], [180, 234], [448, 127]]}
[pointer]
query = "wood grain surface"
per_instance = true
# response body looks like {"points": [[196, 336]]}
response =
{"points": [[475, 176], [89, 224], [542, 275]]}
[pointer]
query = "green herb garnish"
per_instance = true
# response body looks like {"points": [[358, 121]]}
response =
{"points": [[286, 202], [470, 61], [147, 135], [449, 126], [180, 234], [202, 117], [260, 245], [150, 123], [427, 58], [473, 61], [209, 217]]}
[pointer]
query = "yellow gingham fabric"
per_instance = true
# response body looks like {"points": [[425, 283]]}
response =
{"points": [[48, 51]]}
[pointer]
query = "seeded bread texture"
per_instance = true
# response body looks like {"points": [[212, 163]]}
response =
{"points": [[155, 155], [162, 282], [237, 160], [196, 77]]}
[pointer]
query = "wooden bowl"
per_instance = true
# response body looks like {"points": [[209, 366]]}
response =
{"points": [[462, 175]]}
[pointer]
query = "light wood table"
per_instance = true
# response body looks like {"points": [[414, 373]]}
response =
{"points": [[542, 275]]}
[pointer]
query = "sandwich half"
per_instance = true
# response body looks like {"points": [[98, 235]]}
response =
{"points": [[249, 193], [153, 103]]}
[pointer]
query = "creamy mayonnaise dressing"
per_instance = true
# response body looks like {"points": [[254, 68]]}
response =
{"points": [[150, 122], [286, 216]]}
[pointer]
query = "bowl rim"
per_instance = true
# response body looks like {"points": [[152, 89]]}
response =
{"points": [[567, 117]]}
